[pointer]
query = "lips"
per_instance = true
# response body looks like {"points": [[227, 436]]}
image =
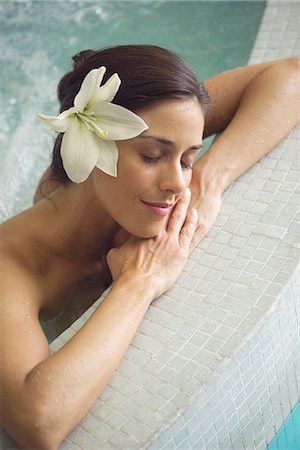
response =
{"points": [[161, 209]]}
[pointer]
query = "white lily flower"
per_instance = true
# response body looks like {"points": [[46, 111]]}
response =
{"points": [[92, 126]]}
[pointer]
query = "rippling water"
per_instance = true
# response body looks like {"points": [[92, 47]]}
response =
{"points": [[38, 38]]}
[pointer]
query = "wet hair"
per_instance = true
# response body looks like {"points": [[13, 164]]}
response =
{"points": [[149, 75]]}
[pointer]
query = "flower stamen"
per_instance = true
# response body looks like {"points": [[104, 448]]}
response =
{"points": [[94, 114]]}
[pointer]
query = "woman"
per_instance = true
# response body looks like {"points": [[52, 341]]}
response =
{"points": [[116, 172]]}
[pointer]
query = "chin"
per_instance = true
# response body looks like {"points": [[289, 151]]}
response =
{"points": [[146, 235], [147, 232]]}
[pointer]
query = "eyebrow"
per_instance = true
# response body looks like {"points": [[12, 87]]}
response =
{"points": [[165, 141]]}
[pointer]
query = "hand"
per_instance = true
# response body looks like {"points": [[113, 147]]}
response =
{"points": [[208, 203], [156, 263]]}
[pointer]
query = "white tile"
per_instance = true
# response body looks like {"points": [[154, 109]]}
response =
{"points": [[216, 322]]}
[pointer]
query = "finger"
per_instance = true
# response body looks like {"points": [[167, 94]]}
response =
{"points": [[178, 215], [188, 230], [200, 233], [198, 236]]}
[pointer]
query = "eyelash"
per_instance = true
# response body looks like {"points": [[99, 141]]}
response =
{"points": [[149, 160]]}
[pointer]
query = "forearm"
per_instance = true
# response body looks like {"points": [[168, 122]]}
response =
{"points": [[64, 386], [267, 111], [47, 398]]}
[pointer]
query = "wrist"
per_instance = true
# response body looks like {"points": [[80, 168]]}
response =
{"points": [[210, 176], [137, 285]]}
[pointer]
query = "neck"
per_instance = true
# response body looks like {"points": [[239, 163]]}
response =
{"points": [[79, 227]]}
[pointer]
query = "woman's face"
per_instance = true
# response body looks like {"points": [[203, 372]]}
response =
{"points": [[154, 168]]}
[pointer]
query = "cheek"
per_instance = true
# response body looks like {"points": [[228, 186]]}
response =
{"points": [[127, 209], [121, 194], [133, 178]]}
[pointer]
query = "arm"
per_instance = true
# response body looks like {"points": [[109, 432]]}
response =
{"points": [[44, 396], [254, 107]]}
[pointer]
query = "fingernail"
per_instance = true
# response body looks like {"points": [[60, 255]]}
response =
{"points": [[194, 212]]}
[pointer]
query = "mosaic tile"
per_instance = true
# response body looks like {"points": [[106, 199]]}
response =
{"points": [[214, 363]]}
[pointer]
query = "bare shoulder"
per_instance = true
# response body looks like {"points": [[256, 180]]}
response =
{"points": [[23, 343], [17, 279], [20, 303], [21, 293]]}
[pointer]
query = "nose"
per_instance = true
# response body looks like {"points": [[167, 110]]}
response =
{"points": [[173, 179]]}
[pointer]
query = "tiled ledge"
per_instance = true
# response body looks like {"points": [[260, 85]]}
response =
{"points": [[216, 329], [215, 320], [214, 362], [247, 402]]}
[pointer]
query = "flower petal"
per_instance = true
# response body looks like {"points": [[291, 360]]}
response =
{"points": [[60, 123], [108, 157], [88, 89], [107, 92], [79, 151], [118, 122]]}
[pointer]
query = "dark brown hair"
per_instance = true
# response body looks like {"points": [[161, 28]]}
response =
{"points": [[149, 74]]}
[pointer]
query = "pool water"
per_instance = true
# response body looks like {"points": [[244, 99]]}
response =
{"points": [[288, 437], [38, 39]]}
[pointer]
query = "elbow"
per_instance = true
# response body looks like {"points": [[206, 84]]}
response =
{"points": [[293, 88], [294, 62], [42, 435], [293, 73], [35, 430], [288, 72]]}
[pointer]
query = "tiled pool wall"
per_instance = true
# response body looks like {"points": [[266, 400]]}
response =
{"points": [[215, 363], [246, 404], [288, 436]]}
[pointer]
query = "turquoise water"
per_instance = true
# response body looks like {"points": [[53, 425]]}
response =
{"points": [[288, 437], [38, 39]]}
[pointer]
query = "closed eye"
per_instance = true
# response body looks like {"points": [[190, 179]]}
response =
{"points": [[156, 159], [186, 165], [151, 160]]}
